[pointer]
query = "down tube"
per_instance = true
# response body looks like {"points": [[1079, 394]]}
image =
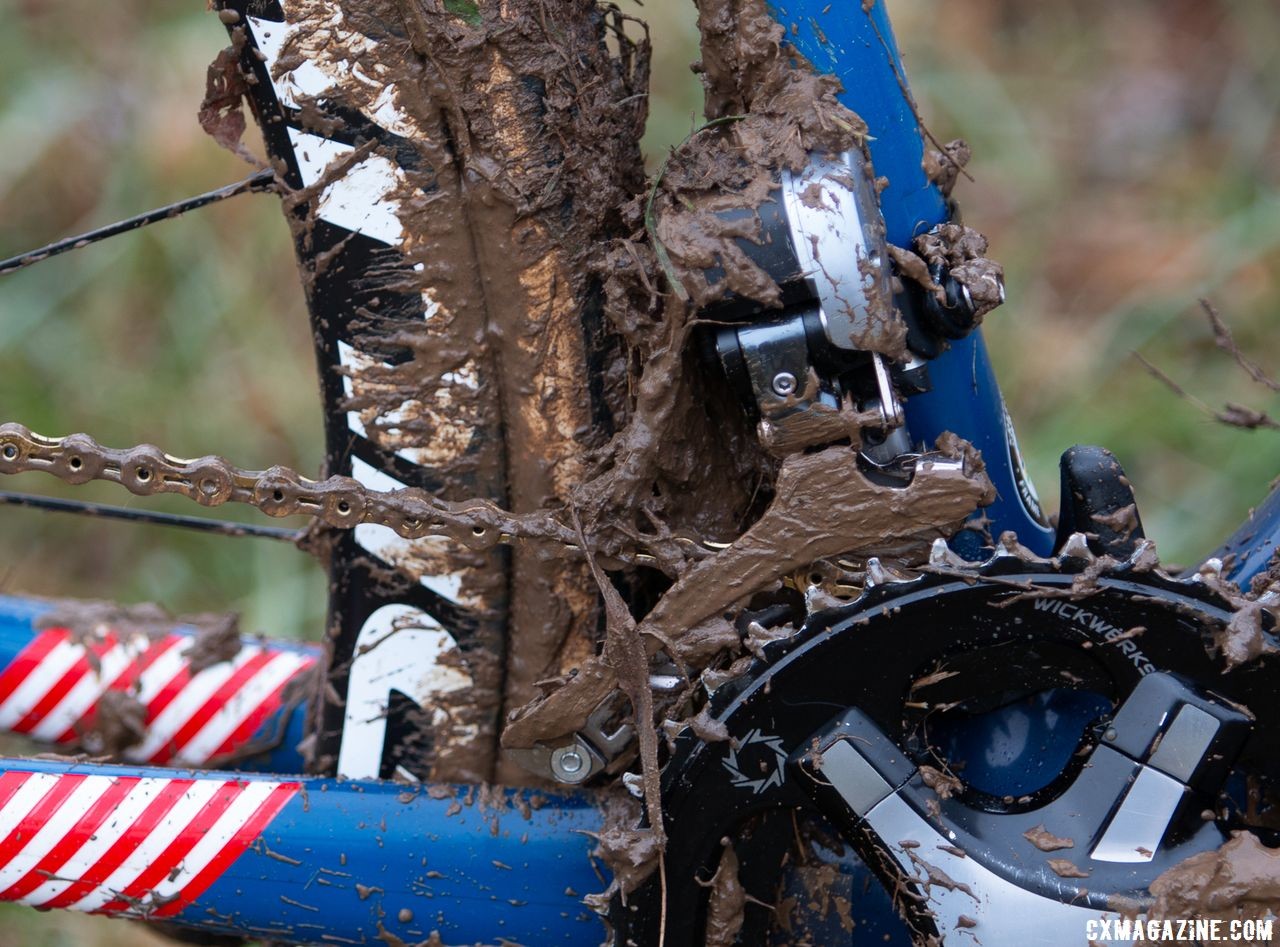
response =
{"points": [[300, 861], [859, 49]]}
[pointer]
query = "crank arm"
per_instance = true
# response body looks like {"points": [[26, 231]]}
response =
{"points": [[1034, 876]]}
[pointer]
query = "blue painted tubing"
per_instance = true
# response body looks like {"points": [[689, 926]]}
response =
{"points": [[449, 871], [305, 861], [18, 618], [1248, 552], [860, 50], [966, 400], [17, 624]]}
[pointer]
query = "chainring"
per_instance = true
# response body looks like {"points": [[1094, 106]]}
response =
{"points": [[902, 653]]}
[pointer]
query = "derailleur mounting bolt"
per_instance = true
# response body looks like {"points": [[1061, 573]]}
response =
{"points": [[784, 383]]}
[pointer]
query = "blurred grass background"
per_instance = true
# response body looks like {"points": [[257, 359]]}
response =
{"points": [[1126, 163]]}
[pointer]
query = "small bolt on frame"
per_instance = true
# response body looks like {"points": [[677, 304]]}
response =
{"points": [[216, 821]]}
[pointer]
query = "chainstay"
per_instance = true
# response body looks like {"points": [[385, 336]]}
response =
{"points": [[340, 502]]}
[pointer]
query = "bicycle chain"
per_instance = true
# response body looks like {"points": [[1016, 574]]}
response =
{"points": [[340, 502]]}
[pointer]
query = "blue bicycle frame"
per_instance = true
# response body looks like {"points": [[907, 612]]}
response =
{"points": [[304, 859]]}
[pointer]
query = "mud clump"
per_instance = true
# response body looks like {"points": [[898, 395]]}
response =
{"points": [[1244, 637], [216, 640], [944, 166], [1045, 840], [1240, 880], [727, 900], [216, 635], [1066, 868], [944, 784], [963, 251], [630, 853], [89, 620], [119, 722]]}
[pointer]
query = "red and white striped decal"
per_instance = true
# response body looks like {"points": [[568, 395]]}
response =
{"points": [[52, 688], [141, 846]]}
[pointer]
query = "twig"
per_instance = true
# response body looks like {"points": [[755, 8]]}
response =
{"points": [[662, 883], [1172, 385], [1232, 414], [1222, 336], [911, 101], [624, 652]]}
